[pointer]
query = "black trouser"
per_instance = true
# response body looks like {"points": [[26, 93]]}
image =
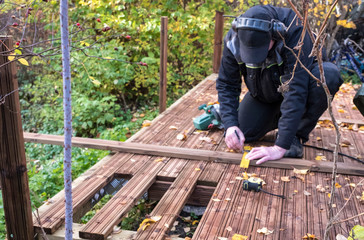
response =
{"points": [[257, 118]]}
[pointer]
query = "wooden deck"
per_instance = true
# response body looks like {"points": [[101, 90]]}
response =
{"points": [[217, 185]]}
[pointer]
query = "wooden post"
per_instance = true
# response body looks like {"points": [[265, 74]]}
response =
{"points": [[219, 30], [163, 65], [13, 168]]}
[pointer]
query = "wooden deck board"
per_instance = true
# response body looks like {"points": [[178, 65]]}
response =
{"points": [[101, 225], [172, 202], [238, 211]]}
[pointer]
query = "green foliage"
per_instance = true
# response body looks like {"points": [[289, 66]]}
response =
{"points": [[137, 214], [87, 217], [2, 218]]}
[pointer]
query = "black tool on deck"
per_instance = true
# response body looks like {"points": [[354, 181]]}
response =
{"points": [[257, 187]]}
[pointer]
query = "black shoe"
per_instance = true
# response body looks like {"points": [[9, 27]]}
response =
{"points": [[295, 150]]}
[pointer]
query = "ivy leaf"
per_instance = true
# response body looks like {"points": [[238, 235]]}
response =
{"points": [[23, 61]]}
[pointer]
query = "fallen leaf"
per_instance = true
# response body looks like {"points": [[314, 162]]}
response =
{"points": [[116, 230], [295, 191], [337, 185], [285, 179], [306, 193], [222, 238], [329, 195], [309, 236], [318, 139], [146, 123], [205, 139], [265, 231], [353, 185], [340, 237], [181, 136], [341, 110], [23, 61], [158, 160], [239, 237], [172, 127], [275, 181], [146, 222], [216, 199], [300, 171], [227, 199], [197, 169], [195, 222], [320, 188], [239, 178], [229, 229], [188, 238], [245, 176]]}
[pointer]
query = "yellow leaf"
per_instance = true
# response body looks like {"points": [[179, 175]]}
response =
{"points": [[146, 222], [239, 237], [318, 139], [245, 176], [107, 58], [197, 169], [23, 61], [309, 236], [96, 82], [346, 24], [146, 123], [11, 57], [84, 43], [329, 195], [337, 185], [17, 51], [172, 127], [244, 161], [300, 171], [361, 128], [285, 179], [158, 160], [195, 222]]}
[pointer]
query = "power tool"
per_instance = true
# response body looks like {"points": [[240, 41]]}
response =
{"points": [[210, 119], [256, 185]]}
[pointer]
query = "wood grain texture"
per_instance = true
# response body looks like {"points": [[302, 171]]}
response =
{"points": [[13, 166], [194, 154]]}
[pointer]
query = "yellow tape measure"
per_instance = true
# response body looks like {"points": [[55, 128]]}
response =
{"points": [[244, 161]]}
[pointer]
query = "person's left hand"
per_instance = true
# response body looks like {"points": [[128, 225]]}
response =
{"points": [[266, 153]]}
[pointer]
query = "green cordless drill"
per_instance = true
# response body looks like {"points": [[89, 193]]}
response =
{"points": [[210, 119]]}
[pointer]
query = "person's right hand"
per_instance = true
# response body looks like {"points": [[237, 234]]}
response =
{"points": [[234, 138]]}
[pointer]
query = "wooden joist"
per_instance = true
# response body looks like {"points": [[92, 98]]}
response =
{"points": [[101, 225], [194, 154], [170, 206]]}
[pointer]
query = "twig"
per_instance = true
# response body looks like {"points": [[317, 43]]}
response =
{"points": [[338, 213], [2, 98]]}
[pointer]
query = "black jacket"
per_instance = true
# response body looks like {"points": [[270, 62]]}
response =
{"points": [[263, 82]]}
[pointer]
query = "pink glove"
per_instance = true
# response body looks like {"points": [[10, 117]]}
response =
{"points": [[266, 153], [234, 138]]}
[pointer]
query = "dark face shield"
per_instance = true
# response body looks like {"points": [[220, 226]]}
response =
{"points": [[253, 45]]}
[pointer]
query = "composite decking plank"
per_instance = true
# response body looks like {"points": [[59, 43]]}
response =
{"points": [[172, 202], [51, 220], [101, 225]]}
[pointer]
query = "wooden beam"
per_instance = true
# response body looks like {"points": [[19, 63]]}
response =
{"points": [[219, 31], [13, 166], [163, 65], [344, 120], [194, 154]]}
